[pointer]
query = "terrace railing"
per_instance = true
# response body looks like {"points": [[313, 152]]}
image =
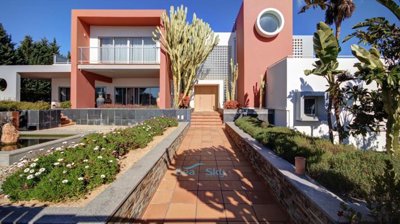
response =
{"points": [[119, 55]]}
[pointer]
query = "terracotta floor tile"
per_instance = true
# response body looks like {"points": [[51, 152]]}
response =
{"points": [[206, 158], [236, 197], [261, 197], [155, 213], [254, 185], [210, 212], [229, 175], [209, 175], [184, 196], [224, 163], [210, 197], [231, 185], [187, 185], [161, 197], [167, 184], [209, 185], [269, 213], [181, 213], [240, 212], [192, 158]]}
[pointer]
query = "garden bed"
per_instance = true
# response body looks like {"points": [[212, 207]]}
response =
{"points": [[121, 202], [304, 199], [343, 169]]}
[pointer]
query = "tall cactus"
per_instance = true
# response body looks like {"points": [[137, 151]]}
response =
{"points": [[262, 86], [231, 87], [187, 46]]}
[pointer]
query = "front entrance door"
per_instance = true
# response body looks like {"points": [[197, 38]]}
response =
{"points": [[206, 97]]}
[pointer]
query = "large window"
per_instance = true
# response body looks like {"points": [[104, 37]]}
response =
{"points": [[141, 96], [309, 106], [128, 50], [64, 94]]}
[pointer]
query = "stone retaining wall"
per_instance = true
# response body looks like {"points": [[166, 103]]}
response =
{"points": [[304, 199], [230, 115], [122, 116]]}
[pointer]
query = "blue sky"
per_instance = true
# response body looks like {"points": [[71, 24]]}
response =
{"points": [[51, 18]]}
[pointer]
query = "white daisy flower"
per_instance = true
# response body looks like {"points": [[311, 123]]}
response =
{"points": [[103, 176], [85, 160], [64, 171], [26, 170], [100, 157], [64, 181], [80, 178], [110, 161], [29, 177], [68, 165], [37, 173], [56, 164], [35, 160], [42, 170], [60, 160], [32, 165], [86, 167], [32, 171]]}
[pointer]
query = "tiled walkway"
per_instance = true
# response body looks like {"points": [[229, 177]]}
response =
{"points": [[223, 189]]}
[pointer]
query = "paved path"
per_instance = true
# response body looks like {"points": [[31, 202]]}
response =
{"points": [[223, 189]]}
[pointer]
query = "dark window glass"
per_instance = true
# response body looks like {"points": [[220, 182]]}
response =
{"points": [[269, 22], [309, 106], [64, 94]]}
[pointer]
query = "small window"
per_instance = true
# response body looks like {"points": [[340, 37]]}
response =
{"points": [[309, 106], [3, 84], [64, 94]]}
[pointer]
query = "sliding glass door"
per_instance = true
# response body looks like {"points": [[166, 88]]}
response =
{"points": [[139, 96], [128, 50]]}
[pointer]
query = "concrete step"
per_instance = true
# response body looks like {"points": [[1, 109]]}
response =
{"points": [[206, 119]]}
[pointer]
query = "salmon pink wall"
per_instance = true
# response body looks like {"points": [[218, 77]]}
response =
{"points": [[255, 53], [83, 83]]}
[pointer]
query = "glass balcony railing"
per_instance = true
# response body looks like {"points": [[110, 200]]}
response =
{"points": [[119, 55]]}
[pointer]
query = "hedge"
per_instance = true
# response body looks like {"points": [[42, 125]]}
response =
{"points": [[16, 105], [72, 171], [343, 169]]}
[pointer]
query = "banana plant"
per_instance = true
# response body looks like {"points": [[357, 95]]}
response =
{"points": [[372, 69], [327, 50]]}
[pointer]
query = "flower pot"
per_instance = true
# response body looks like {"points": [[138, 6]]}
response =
{"points": [[300, 165]]}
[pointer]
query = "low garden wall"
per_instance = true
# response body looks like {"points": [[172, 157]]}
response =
{"points": [[122, 116], [304, 199], [121, 202], [230, 115]]}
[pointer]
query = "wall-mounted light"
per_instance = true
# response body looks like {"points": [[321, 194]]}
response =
{"points": [[270, 22]]}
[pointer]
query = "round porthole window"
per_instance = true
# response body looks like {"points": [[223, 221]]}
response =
{"points": [[270, 22], [3, 84]]}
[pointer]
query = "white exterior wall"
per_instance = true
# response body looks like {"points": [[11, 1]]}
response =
{"points": [[13, 83], [115, 31], [56, 83], [286, 77]]}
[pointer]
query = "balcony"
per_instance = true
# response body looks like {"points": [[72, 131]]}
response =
{"points": [[143, 55]]}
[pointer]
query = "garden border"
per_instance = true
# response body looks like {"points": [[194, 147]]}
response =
{"points": [[123, 201], [304, 199]]}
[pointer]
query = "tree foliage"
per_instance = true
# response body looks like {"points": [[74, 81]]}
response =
{"points": [[187, 46], [327, 51], [384, 103], [7, 51], [336, 11]]}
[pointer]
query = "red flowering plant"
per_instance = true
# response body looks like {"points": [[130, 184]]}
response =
{"points": [[231, 104]]}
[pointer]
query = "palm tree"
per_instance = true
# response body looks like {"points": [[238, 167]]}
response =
{"points": [[336, 11]]}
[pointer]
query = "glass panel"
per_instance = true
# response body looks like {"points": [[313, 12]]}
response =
{"points": [[120, 95], [64, 94], [130, 96], [121, 50], [154, 95], [101, 90], [269, 22], [309, 106], [136, 50], [107, 50], [149, 50]]}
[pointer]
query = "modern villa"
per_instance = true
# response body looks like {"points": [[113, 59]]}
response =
{"points": [[113, 53]]}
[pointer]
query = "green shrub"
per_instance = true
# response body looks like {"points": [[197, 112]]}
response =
{"points": [[69, 172], [65, 104], [15, 105], [342, 169]]}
